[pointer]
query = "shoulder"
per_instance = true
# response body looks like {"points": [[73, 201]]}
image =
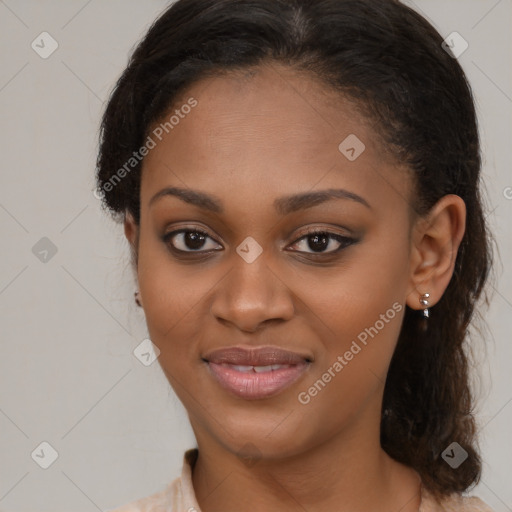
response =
{"points": [[178, 496], [166, 500], [454, 503], [467, 504]]}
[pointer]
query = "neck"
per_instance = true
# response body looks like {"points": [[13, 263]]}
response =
{"points": [[348, 472]]}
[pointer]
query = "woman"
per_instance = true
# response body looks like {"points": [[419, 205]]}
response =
{"points": [[299, 184]]}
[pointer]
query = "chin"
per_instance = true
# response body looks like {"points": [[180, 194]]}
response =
{"points": [[265, 435]]}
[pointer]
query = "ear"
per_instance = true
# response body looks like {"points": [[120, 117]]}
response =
{"points": [[131, 231], [435, 241]]}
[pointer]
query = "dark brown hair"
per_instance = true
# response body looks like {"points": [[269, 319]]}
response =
{"points": [[390, 61]]}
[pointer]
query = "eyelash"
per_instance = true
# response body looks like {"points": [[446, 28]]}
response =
{"points": [[344, 241]]}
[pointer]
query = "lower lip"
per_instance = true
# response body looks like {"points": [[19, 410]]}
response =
{"points": [[252, 385]]}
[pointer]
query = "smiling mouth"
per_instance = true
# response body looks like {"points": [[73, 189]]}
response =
{"points": [[257, 369], [256, 373]]}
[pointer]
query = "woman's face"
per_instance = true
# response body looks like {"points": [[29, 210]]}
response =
{"points": [[262, 147]]}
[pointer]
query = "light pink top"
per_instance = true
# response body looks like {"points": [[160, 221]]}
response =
{"points": [[179, 496]]}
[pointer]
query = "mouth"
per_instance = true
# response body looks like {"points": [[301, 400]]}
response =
{"points": [[256, 373]]}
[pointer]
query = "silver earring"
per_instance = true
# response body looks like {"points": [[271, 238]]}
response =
{"points": [[137, 299], [425, 302]]}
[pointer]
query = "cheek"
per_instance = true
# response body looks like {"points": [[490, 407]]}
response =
{"points": [[352, 296], [171, 296], [357, 340], [351, 368], [358, 313]]}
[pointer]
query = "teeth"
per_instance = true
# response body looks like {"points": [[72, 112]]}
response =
{"points": [[257, 369], [242, 368]]}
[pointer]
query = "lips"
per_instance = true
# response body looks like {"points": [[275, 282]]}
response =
{"points": [[256, 373], [257, 356]]}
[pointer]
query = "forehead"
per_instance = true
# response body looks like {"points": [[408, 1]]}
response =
{"points": [[266, 129]]}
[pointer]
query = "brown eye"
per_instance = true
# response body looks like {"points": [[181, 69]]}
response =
{"points": [[319, 241], [188, 240]]}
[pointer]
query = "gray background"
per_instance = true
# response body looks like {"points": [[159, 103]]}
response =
{"points": [[69, 325]]}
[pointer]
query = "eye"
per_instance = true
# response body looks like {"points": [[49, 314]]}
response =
{"points": [[189, 240], [318, 241]]}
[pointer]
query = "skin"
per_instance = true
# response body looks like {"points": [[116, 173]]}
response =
{"points": [[255, 137]]}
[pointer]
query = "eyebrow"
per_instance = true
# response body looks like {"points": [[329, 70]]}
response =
{"points": [[283, 205]]}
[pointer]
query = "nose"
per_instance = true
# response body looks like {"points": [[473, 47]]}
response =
{"points": [[252, 294]]}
